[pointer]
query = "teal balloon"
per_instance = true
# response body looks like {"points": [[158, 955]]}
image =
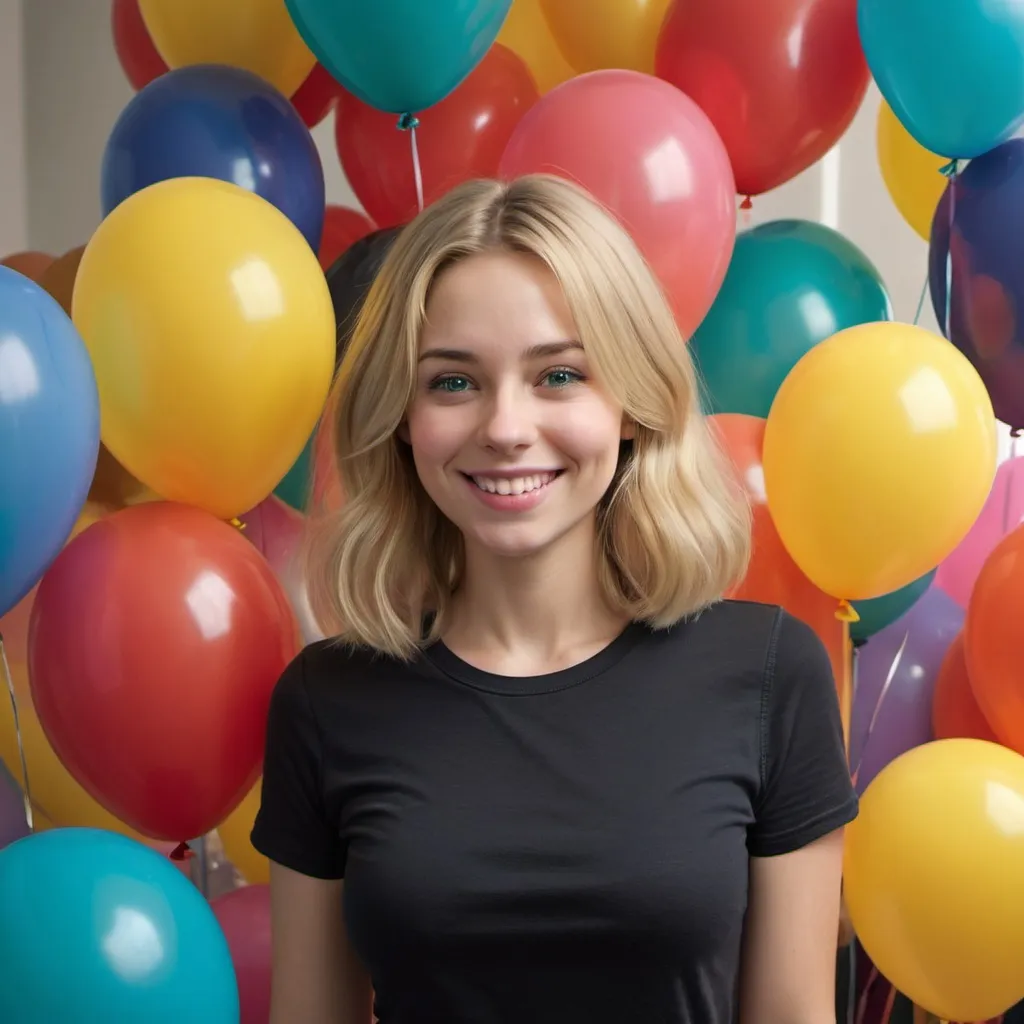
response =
{"points": [[790, 285], [400, 56], [952, 70], [295, 487], [97, 927], [879, 612]]}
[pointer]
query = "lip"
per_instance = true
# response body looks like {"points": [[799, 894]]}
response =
{"points": [[512, 502], [512, 472]]}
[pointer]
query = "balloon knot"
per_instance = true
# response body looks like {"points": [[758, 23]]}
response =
{"points": [[237, 523], [1016, 431], [951, 169], [747, 204], [846, 612], [407, 122], [182, 852]]}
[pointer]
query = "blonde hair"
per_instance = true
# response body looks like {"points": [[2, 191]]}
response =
{"points": [[675, 525]]}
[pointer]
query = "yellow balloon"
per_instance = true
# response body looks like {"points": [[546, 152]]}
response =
{"points": [[597, 34], [234, 834], [879, 452], [934, 877], [257, 35], [526, 34], [211, 332], [912, 174]]}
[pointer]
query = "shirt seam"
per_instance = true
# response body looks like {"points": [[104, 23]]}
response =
{"points": [[767, 687]]}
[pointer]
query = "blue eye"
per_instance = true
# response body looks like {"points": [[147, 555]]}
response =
{"points": [[562, 377], [452, 383]]}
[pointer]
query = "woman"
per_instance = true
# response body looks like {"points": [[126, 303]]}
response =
{"points": [[562, 780]]}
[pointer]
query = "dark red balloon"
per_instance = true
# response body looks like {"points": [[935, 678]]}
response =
{"points": [[155, 642], [343, 227], [316, 97], [461, 137], [781, 80], [244, 917], [135, 50]]}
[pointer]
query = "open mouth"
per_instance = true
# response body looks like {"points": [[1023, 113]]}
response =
{"points": [[515, 485]]}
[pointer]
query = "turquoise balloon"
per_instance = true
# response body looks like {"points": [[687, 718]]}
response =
{"points": [[294, 488], [952, 70], [96, 927], [399, 55], [790, 285], [879, 612]]}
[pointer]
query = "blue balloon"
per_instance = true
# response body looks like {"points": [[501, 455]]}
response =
{"points": [[790, 285], [400, 56], [879, 612], [986, 308], [211, 121], [952, 70], [97, 927], [49, 433]]}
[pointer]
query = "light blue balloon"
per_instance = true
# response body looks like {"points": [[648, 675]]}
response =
{"points": [[399, 55], [790, 285], [952, 70], [49, 433], [97, 927]]}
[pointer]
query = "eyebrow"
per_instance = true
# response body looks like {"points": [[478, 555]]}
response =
{"points": [[544, 350]]}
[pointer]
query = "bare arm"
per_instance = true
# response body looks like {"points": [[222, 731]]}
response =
{"points": [[789, 942], [317, 978]]}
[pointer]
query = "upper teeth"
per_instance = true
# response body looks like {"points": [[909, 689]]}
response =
{"points": [[513, 485]]}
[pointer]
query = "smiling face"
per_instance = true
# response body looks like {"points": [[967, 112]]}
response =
{"points": [[512, 437]]}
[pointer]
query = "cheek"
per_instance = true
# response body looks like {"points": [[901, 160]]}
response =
{"points": [[589, 434], [435, 434]]}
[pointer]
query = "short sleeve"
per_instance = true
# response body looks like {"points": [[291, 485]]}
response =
{"points": [[292, 827], [805, 785]]}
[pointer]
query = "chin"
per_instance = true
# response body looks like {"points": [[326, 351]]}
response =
{"points": [[515, 542]]}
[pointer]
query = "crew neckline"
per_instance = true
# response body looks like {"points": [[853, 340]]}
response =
{"points": [[451, 665]]}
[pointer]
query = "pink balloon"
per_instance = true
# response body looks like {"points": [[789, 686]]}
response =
{"points": [[1003, 511], [276, 531], [650, 155], [244, 917]]}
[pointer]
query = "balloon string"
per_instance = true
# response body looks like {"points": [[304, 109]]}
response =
{"points": [[950, 170], [862, 1004], [876, 711], [409, 123], [17, 731], [920, 302]]}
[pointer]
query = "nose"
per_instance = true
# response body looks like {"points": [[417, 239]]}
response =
{"points": [[508, 423]]}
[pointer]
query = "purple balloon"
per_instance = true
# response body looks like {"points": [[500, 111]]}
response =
{"points": [[895, 681], [986, 310], [13, 824]]}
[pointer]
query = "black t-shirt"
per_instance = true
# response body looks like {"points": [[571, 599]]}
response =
{"points": [[570, 848]]}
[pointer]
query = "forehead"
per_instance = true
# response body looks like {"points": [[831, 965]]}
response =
{"points": [[496, 299]]}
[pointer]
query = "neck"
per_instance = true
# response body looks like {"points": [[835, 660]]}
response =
{"points": [[537, 610]]}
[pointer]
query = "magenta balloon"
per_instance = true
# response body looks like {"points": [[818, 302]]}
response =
{"points": [[895, 683], [244, 917], [275, 529], [1003, 511]]}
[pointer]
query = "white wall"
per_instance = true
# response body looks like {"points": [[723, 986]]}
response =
{"points": [[13, 164]]}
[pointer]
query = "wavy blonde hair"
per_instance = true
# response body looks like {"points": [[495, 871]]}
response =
{"points": [[675, 524]]}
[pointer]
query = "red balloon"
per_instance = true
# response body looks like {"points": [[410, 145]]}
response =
{"points": [[135, 50], [955, 712], [461, 137], [343, 227], [155, 642], [244, 917], [780, 80], [315, 98], [653, 158], [773, 577], [994, 640]]}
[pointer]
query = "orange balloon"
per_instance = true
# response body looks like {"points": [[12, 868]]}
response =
{"points": [[773, 577], [30, 263], [994, 640], [955, 711], [59, 277]]}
